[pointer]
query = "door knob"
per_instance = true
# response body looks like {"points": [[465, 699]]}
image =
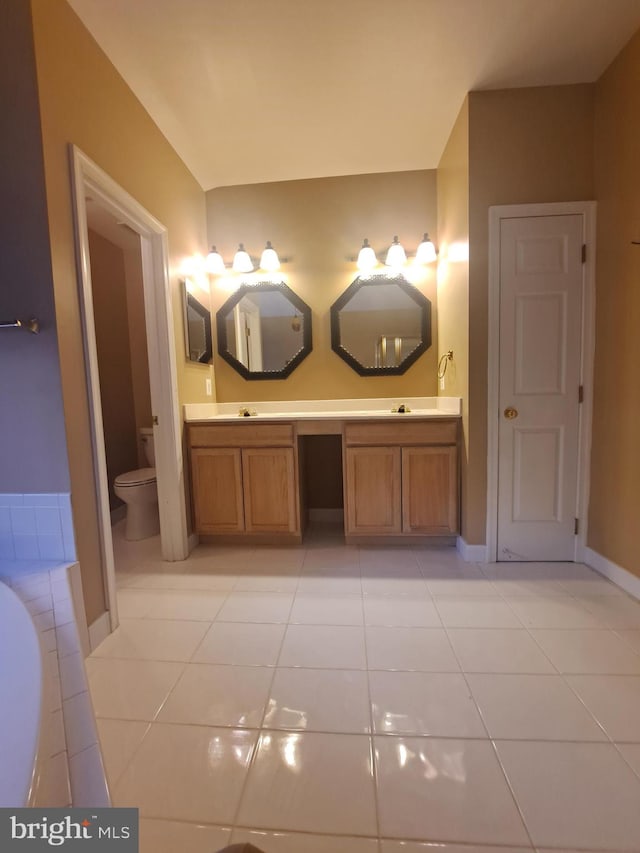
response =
{"points": [[510, 413]]}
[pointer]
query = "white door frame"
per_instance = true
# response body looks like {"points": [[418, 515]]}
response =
{"points": [[588, 210], [88, 179]]}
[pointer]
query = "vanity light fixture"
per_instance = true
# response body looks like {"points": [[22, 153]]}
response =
{"points": [[269, 261], [241, 260], [214, 264], [366, 257], [396, 256], [426, 252]]}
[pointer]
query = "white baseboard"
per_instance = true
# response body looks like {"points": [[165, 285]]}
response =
{"points": [[326, 515], [622, 577], [99, 630], [471, 553], [193, 541]]}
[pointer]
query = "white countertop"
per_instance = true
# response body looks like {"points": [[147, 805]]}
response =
{"points": [[375, 407]]}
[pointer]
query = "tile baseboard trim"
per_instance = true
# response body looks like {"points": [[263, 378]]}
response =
{"points": [[471, 553], [99, 630], [621, 577]]}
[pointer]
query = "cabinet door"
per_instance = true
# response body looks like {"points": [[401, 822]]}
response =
{"points": [[270, 490], [216, 476], [373, 490], [429, 490]]}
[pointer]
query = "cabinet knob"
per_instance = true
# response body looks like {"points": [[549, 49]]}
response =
{"points": [[510, 413]]}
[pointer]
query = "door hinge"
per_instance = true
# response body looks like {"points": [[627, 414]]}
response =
{"points": [[581, 393], [576, 525], [584, 253]]}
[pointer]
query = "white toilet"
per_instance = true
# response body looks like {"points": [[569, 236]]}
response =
{"points": [[139, 490]]}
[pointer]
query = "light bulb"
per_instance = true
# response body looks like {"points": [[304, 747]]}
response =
{"points": [[269, 262], [214, 263], [426, 253], [241, 260], [396, 256], [366, 257]]}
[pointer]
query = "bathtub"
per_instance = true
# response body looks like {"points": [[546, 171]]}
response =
{"points": [[49, 749], [23, 693]]}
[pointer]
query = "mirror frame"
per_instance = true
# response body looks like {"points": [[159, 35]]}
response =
{"points": [[190, 301], [234, 299], [419, 298]]}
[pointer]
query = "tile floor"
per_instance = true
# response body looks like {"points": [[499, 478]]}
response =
{"points": [[359, 700]]}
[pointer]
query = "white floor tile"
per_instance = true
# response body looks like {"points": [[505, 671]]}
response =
{"points": [[134, 603], [478, 612], [532, 707], [328, 647], [119, 739], [166, 836], [632, 638], [150, 639], [131, 689], [497, 650], [444, 790], [241, 643], [256, 607], [615, 611], [405, 649], [298, 842], [423, 703], [212, 695], [588, 652], [190, 773], [614, 700], [417, 847], [325, 609], [319, 700], [410, 587], [631, 754], [552, 612], [329, 585], [308, 782], [182, 604], [381, 557], [403, 611], [580, 795]]}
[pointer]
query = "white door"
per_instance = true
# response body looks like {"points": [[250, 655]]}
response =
{"points": [[541, 294]]}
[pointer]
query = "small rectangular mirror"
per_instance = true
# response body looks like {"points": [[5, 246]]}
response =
{"points": [[197, 328]]}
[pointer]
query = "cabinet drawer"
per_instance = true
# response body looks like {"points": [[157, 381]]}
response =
{"points": [[394, 433], [240, 435]]}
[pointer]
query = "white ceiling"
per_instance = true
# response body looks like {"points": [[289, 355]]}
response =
{"points": [[249, 91]]}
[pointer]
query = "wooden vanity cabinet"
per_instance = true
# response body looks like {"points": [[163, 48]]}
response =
{"points": [[244, 480], [401, 479]]}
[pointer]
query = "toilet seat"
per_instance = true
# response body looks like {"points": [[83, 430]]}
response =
{"points": [[139, 477]]}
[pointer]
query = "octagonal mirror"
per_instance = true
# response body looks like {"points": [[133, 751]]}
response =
{"points": [[380, 325], [264, 330]]}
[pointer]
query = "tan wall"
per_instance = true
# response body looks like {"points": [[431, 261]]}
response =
{"points": [[138, 345], [615, 459], [525, 146], [453, 277], [320, 224], [109, 290], [84, 101]]}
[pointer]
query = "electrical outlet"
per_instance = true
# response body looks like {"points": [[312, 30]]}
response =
{"points": [[207, 386]]}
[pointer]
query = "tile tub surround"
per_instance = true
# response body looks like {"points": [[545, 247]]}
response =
{"points": [[372, 407], [72, 771], [366, 700], [36, 527]]}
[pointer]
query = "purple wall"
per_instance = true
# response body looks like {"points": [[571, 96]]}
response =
{"points": [[33, 450]]}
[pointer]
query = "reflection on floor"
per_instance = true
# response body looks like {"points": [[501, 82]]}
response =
{"points": [[359, 700]]}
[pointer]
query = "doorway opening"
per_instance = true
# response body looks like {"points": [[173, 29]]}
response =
{"points": [[100, 200]]}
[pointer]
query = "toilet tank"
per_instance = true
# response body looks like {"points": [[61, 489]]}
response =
{"points": [[146, 437]]}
